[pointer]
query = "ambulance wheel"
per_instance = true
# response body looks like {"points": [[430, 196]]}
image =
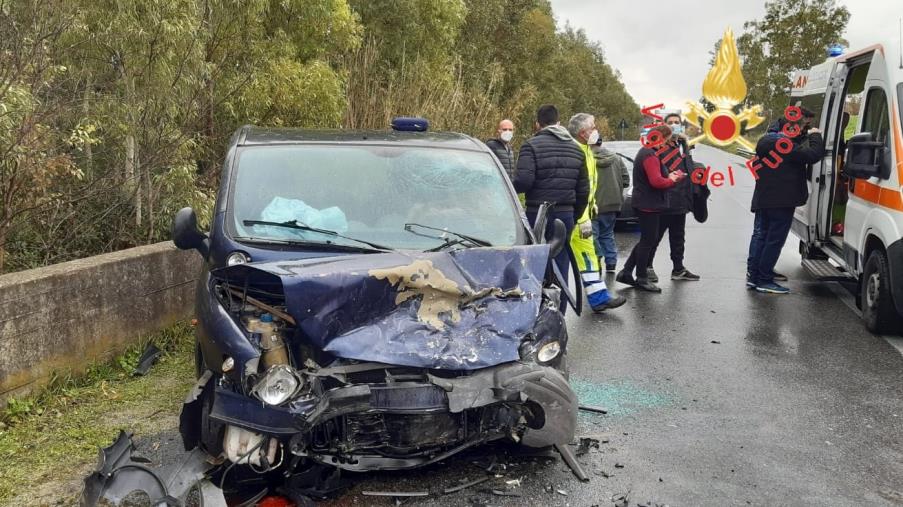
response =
{"points": [[878, 310]]}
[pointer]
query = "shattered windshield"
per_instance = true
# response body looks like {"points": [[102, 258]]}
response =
{"points": [[369, 193]]}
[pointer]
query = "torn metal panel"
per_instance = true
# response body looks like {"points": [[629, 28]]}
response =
{"points": [[521, 382], [568, 456], [220, 328], [192, 411], [463, 310]]}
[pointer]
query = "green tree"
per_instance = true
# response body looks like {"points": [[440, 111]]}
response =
{"points": [[409, 31], [115, 113], [33, 152], [791, 36]]}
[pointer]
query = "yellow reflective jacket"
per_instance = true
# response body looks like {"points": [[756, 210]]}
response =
{"points": [[591, 172]]}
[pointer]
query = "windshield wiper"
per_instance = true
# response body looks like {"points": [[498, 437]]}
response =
{"points": [[321, 245], [463, 238], [294, 224]]}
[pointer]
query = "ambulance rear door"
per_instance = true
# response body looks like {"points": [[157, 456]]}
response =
{"points": [[824, 86], [803, 217], [817, 89]]}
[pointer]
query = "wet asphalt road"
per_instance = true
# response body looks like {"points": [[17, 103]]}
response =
{"points": [[797, 404]]}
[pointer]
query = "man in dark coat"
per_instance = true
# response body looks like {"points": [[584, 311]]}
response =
{"points": [[782, 166], [612, 178], [501, 146], [552, 168]]}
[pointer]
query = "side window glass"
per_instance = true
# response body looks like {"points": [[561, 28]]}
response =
{"points": [[900, 98], [876, 120]]}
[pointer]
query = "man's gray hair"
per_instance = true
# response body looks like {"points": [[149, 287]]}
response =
{"points": [[579, 122]]}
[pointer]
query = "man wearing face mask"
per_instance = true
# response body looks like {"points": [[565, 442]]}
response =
{"points": [[680, 200], [501, 146], [582, 127]]}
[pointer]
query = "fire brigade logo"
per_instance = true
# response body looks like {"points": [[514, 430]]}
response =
{"points": [[725, 88]]}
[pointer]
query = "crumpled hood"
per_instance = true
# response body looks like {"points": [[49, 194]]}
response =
{"points": [[461, 310]]}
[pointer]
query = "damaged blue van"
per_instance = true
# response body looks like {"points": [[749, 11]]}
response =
{"points": [[371, 300]]}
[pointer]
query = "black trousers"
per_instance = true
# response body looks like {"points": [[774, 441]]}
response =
{"points": [[676, 227], [641, 254]]}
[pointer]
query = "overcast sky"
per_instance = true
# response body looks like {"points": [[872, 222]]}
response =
{"points": [[662, 48]]}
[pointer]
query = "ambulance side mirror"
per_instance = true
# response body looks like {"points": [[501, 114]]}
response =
{"points": [[865, 157]]}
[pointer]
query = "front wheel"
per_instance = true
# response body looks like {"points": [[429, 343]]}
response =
{"points": [[878, 310]]}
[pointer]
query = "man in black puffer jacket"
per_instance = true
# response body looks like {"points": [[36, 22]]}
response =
{"points": [[552, 168], [784, 156]]}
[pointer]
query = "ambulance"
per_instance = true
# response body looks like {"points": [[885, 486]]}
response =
{"points": [[851, 228]]}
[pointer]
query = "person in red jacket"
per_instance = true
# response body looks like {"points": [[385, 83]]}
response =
{"points": [[651, 179]]}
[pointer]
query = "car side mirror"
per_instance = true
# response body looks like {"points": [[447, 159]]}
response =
{"points": [[186, 235], [864, 157], [559, 237]]}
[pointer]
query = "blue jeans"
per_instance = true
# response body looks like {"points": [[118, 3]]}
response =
{"points": [[561, 260], [604, 236], [770, 232]]}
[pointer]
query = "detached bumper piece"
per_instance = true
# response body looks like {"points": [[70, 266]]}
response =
{"points": [[119, 477]]}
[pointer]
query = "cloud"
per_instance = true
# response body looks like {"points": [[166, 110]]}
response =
{"points": [[662, 49]]}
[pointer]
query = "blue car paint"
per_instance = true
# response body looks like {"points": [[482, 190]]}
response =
{"points": [[341, 308]]}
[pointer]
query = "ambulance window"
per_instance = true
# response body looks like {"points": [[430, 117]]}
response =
{"points": [[814, 103], [875, 120], [899, 99]]}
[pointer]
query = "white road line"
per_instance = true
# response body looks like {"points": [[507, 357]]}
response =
{"points": [[848, 299]]}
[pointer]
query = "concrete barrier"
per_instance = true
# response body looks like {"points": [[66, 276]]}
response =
{"points": [[66, 316]]}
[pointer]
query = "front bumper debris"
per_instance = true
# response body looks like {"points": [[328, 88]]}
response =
{"points": [[438, 412], [119, 476]]}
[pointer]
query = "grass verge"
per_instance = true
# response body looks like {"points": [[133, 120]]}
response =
{"points": [[50, 440]]}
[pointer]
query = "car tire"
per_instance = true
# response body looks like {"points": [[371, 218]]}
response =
{"points": [[878, 310]]}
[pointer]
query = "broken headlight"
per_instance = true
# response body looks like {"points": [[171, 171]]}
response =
{"points": [[548, 352], [237, 258], [277, 385]]}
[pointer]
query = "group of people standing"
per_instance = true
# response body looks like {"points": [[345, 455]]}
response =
{"points": [[584, 182]]}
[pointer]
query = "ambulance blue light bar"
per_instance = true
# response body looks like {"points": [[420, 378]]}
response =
{"points": [[835, 50], [410, 124]]}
